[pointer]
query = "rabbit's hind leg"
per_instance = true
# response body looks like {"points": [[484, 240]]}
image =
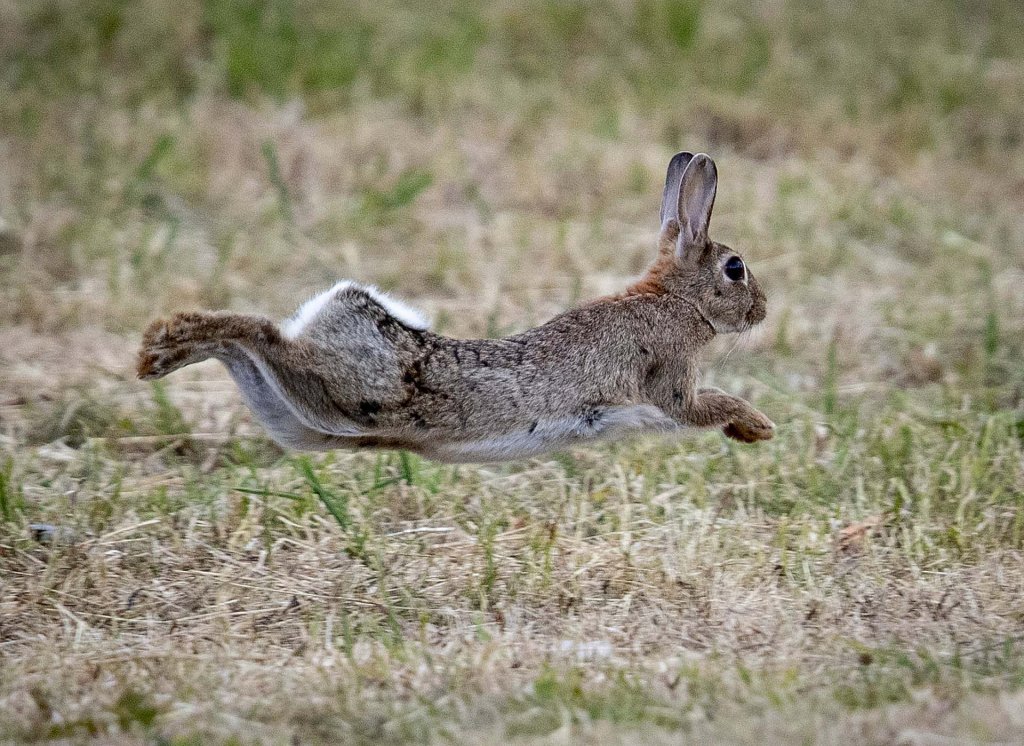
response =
{"points": [[304, 377], [234, 340], [187, 338]]}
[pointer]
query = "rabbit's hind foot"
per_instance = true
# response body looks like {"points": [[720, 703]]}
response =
{"points": [[170, 344], [156, 361]]}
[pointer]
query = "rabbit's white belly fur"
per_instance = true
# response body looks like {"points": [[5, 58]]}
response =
{"points": [[552, 434]]}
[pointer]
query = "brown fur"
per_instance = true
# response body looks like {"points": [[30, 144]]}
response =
{"points": [[654, 280], [357, 375]]}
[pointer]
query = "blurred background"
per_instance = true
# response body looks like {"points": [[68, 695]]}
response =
{"points": [[495, 163]]}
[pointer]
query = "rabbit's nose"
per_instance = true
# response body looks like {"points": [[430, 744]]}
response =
{"points": [[757, 311]]}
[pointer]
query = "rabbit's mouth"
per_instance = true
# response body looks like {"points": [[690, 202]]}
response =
{"points": [[758, 307]]}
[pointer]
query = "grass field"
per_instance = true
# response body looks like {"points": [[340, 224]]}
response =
{"points": [[858, 579]]}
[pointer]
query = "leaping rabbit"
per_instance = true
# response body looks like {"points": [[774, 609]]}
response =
{"points": [[354, 368]]}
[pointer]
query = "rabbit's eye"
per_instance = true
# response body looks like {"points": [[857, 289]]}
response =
{"points": [[734, 269]]}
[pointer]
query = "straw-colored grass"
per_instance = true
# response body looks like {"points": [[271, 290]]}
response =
{"points": [[169, 575]]}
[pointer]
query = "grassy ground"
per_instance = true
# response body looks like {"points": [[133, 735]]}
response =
{"points": [[860, 577]]}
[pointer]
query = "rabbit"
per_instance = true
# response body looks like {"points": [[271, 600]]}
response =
{"points": [[356, 368]]}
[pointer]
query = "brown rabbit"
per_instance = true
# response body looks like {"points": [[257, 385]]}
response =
{"points": [[355, 368]]}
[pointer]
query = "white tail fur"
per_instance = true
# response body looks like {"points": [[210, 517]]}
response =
{"points": [[411, 317]]}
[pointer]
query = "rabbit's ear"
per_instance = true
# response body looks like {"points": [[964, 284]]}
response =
{"points": [[696, 199], [670, 197]]}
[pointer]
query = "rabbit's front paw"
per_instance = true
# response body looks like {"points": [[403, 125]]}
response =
{"points": [[751, 429]]}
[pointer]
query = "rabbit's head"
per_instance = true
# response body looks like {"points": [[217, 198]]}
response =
{"points": [[708, 274]]}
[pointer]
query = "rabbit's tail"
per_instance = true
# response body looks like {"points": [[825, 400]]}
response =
{"points": [[312, 309]]}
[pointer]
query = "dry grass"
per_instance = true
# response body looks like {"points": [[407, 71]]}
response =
{"points": [[859, 578]]}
